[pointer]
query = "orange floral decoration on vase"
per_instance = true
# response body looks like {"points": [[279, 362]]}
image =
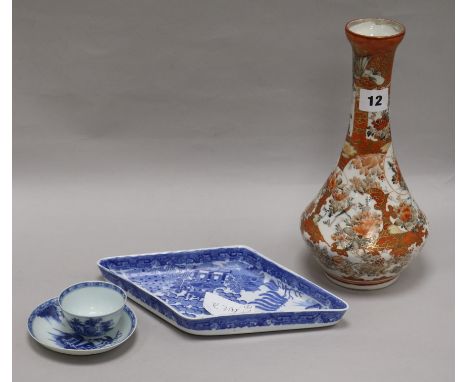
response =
{"points": [[364, 225]]}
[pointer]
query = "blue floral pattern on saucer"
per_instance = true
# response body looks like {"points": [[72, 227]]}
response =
{"points": [[47, 325]]}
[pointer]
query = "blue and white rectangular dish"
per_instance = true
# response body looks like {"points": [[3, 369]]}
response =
{"points": [[224, 290]]}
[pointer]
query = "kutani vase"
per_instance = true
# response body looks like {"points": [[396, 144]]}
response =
{"points": [[364, 225]]}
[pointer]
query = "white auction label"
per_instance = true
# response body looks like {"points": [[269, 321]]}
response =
{"points": [[373, 100], [220, 306]]}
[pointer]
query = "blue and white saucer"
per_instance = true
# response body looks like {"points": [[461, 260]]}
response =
{"points": [[47, 326]]}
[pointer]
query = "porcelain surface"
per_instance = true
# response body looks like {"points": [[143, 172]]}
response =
{"points": [[92, 308], [248, 292], [47, 325], [364, 225]]}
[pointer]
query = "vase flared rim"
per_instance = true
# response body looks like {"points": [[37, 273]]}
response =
{"points": [[397, 26]]}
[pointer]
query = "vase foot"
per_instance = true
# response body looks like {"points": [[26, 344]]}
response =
{"points": [[362, 284]]}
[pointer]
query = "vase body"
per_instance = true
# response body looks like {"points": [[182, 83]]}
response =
{"points": [[364, 225]]}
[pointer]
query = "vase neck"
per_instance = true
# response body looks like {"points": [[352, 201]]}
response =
{"points": [[369, 127]]}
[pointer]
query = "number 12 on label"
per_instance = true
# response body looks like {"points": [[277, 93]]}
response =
{"points": [[373, 100], [378, 100]]}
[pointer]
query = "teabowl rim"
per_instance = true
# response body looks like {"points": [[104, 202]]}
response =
{"points": [[90, 283]]}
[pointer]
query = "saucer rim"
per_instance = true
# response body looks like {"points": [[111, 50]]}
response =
{"points": [[62, 350]]}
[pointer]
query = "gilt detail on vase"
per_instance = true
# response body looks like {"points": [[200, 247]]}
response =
{"points": [[364, 225]]}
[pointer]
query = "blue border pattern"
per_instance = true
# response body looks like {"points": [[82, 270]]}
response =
{"points": [[113, 269], [86, 284]]}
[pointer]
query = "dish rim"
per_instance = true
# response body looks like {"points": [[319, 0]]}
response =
{"points": [[215, 248]]}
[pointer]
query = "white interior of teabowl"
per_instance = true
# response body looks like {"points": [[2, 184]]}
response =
{"points": [[92, 301]]}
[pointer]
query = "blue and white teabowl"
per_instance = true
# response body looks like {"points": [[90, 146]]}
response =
{"points": [[48, 326], [224, 290], [92, 308]]}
